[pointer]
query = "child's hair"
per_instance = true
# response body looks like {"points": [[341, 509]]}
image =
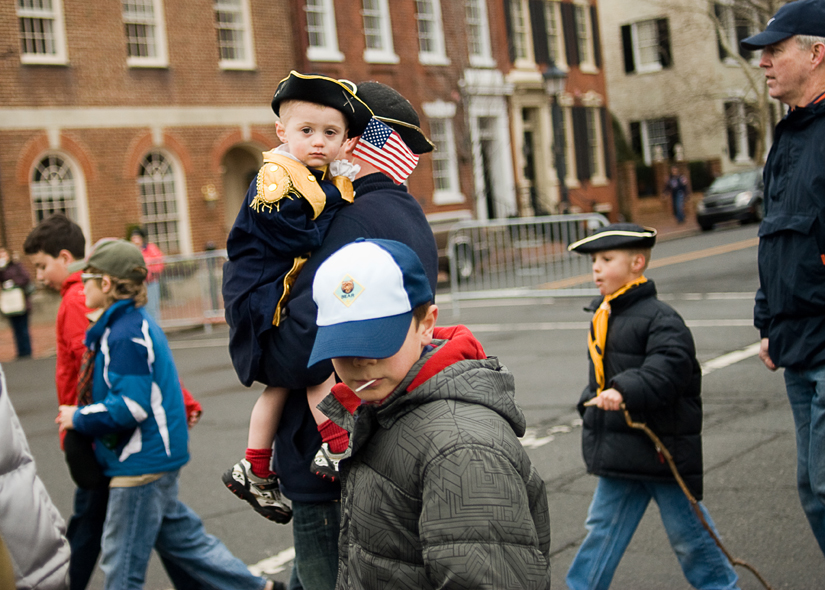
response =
{"points": [[55, 233], [646, 252], [122, 288], [420, 312]]}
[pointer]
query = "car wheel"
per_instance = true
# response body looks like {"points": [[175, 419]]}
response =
{"points": [[706, 226]]}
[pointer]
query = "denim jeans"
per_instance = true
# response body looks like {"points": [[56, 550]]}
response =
{"points": [[84, 532], [806, 392], [617, 507], [315, 528], [141, 517], [153, 299], [20, 326]]}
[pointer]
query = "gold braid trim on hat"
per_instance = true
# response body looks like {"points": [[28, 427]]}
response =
{"points": [[407, 125]]}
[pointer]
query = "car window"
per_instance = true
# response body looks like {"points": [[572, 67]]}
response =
{"points": [[734, 181]]}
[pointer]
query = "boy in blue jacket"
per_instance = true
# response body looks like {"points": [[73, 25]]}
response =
{"points": [[130, 402]]}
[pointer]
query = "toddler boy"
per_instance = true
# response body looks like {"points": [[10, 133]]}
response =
{"points": [[133, 407], [641, 355], [284, 218], [437, 478]]}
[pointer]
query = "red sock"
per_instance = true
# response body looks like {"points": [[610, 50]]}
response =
{"points": [[261, 461], [336, 437]]}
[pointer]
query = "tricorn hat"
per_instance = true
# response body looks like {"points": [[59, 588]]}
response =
{"points": [[396, 111], [616, 236]]}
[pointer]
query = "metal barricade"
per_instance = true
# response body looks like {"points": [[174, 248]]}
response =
{"points": [[190, 290], [521, 257]]}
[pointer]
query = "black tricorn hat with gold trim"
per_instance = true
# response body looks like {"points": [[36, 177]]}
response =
{"points": [[616, 236], [323, 90]]}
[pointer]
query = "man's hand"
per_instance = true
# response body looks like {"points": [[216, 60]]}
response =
{"points": [[609, 399], [65, 419], [765, 356]]}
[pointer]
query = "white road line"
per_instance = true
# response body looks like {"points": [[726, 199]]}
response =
{"points": [[730, 358], [274, 564]]}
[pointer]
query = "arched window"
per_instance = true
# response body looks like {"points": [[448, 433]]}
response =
{"points": [[159, 202], [54, 189]]}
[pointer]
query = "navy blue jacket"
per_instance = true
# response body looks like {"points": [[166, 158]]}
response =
{"points": [[650, 359], [261, 249], [382, 209], [790, 303]]}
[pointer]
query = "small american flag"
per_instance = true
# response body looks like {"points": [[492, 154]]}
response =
{"points": [[382, 147]]}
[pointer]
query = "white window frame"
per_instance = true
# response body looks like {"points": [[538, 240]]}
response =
{"points": [[728, 22], [522, 35], [643, 68], [329, 50], [585, 26], [483, 58], [437, 56], [243, 27], [443, 113], [80, 213], [386, 53], [552, 9], [595, 141], [58, 34], [181, 204], [161, 57]]}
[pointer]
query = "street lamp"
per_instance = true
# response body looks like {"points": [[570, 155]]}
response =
{"points": [[555, 80]]}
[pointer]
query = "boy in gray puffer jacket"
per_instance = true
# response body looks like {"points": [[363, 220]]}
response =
{"points": [[438, 492]]}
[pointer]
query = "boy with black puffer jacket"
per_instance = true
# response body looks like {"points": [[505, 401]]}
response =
{"points": [[641, 355], [437, 477]]}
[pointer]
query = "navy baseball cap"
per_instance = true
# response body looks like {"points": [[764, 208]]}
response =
{"points": [[616, 236], [803, 17], [366, 293]]}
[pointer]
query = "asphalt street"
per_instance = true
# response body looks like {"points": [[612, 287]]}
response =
{"points": [[750, 458]]}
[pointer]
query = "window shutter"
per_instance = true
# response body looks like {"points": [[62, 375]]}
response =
{"points": [[636, 138], [580, 141], [597, 44], [568, 19], [717, 10], [664, 43], [508, 17], [627, 45], [742, 32], [539, 26], [607, 144], [672, 134]]}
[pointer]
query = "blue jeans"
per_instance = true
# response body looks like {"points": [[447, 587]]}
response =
{"points": [[806, 392], [315, 528], [150, 515], [618, 506], [153, 299], [678, 199], [20, 326]]}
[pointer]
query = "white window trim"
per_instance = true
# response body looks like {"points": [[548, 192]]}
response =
{"points": [[387, 54], [598, 174], [528, 62], [560, 50], [59, 30], [249, 46], [729, 25], [485, 58], [330, 51], [438, 57], [182, 203], [162, 58], [445, 111], [571, 179], [589, 66], [79, 178], [640, 68]]}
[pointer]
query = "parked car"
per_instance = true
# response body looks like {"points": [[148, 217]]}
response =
{"points": [[736, 196]]}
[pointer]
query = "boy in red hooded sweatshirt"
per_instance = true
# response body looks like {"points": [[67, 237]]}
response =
{"points": [[436, 476]]}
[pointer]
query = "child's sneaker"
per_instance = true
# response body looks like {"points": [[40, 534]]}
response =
{"points": [[326, 462], [263, 494]]}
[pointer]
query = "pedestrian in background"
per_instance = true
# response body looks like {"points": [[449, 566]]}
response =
{"points": [[642, 357], [15, 304], [677, 186], [154, 263], [790, 303]]}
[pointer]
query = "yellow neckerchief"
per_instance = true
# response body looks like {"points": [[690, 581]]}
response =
{"points": [[597, 336]]}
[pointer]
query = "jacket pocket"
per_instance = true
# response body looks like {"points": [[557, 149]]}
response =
{"points": [[791, 267]]}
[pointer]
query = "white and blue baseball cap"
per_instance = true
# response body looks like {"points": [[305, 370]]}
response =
{"points": [[366, 293]]}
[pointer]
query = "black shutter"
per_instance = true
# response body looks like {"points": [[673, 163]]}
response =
{"points": [[742, 32], [539, 26], [717, 10], [672, 135], [663, 33], [627, 45], [636, 138], [580, 141], [597, 44], [606, 143], [568, 19], [508, 17]]}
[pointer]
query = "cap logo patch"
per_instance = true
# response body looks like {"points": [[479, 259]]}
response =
{"points": [[348, 290]]}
